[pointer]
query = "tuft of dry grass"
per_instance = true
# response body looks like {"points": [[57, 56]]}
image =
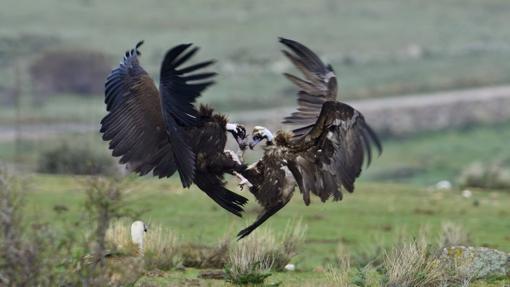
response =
{"points": [[291, 240], [410, 263], [341, 274], [252, 258], [453, 235], [161, 249]]}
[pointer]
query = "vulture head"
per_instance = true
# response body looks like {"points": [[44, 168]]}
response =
{"points": [[259, 134], [238, 131]]}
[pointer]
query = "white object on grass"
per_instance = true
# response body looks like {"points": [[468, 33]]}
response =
{"points": [[443, 185], [467, 193], [290, 267], [138, 229]]}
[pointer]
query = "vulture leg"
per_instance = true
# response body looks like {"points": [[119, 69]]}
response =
{"points": [[242, 180], [239, 166], [262, 218]]}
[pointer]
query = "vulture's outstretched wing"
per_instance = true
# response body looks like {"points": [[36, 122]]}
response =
{"points": [[140, 125], [331, 155], [318, 87], [179, 87], [134, 124]]}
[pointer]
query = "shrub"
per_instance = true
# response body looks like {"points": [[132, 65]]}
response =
{"points": [[26, 252], [410, 263], [160, 249], [252, 258], [79, 72], [76, 159], [494, 175]]}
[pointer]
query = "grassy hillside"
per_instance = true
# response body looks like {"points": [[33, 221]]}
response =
{"points": [[378, 48]]}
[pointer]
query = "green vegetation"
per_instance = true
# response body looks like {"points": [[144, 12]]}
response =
{"points": [[423, 159], [385, 48], [373, 216], [430, 157]]}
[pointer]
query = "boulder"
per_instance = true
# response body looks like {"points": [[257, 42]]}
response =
{"points": [[478, 262]]}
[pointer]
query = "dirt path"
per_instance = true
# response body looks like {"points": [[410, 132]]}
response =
{"points": [[415, 113], [394, 115]]}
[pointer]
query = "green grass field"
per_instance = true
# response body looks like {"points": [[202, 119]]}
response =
{"points": [[375, 214], [378, 48]]}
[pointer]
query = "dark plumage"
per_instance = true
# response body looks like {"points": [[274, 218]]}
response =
{"points": [[323, 156], [162, 131]]}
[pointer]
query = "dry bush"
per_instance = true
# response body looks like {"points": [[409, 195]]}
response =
{"points": [[253, 257], [341, 274], [26, 253], [118, 236], [45, 255], [410, 263], [494, 175], [371, 254], [105, 203], [250, 260], [346, 272], [160, 249], [76, 159], [453, 235], [77, 71]]}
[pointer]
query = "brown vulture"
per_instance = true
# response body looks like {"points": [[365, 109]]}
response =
{"points": [[323, 156], [162, 131]]}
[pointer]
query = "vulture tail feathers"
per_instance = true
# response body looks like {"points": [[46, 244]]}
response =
{"points": [[214, 188], [265, 216]]}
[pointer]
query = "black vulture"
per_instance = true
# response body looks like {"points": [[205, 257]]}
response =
{"points": [[323, 156], [162, 131]]}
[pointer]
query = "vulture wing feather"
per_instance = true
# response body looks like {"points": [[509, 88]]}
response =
{"points": [[134, 125]]}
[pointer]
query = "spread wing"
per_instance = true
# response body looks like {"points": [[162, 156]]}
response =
{"points": [[331, 155], [179, 87], [134, 124], [318, 87], [141, 126]]}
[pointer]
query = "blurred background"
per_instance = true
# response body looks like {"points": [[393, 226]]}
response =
{"points": [[431, 77]]}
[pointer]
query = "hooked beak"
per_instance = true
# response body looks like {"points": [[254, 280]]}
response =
{"points": [[241, 142], [254, 142]]}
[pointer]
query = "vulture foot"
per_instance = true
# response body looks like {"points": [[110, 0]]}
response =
{"points": [[243, 181]]}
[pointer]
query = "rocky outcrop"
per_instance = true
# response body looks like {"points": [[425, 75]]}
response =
{"points": [[476, 262]]}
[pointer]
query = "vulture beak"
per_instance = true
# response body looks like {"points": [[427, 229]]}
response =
{"points": [[241, 142], [255, 142], [239, 133]]}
